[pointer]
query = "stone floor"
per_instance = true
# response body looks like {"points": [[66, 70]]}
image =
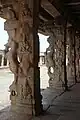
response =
{"points": [[64, 107]]}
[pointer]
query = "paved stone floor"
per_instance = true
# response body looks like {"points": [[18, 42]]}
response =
{"points": [[64, 107]]}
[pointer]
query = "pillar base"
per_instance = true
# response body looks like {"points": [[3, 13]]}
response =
{"points": [[25, 106], [23, 109]]}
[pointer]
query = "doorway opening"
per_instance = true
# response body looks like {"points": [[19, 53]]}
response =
{"points": [[42, 63]]}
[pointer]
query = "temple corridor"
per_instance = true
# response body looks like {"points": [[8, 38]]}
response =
{"points": [[60, 20]]}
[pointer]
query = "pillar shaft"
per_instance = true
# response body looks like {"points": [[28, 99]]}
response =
{"points": [[55, 58]]}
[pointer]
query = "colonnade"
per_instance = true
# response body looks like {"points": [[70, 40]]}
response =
{"points": [[22, 52], [3, 60], [63, 56]]}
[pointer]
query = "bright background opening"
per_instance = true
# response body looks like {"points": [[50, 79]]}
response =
{"points": [[44, 78], [6, 77]]}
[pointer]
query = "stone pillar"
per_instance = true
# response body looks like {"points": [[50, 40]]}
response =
{"points": [[22, 51], [2, 61], [70, 66], [77, 38], [55, 58]]}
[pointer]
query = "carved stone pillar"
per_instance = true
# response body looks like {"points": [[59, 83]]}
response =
{"points": [[55, 59], [77, 57], [22, 51], [71, 53], [70, 66]]}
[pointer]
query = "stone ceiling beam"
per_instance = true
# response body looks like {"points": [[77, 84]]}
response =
{"points": [[42, 18], [49, 8], [66, 12], [44, 15], [73, 3]]}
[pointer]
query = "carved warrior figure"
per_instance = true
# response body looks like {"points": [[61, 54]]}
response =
{"points": [[11, 55], [11, 46]]}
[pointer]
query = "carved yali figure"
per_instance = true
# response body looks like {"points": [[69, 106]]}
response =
{"points": [[11, 55], [11, 47]]}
